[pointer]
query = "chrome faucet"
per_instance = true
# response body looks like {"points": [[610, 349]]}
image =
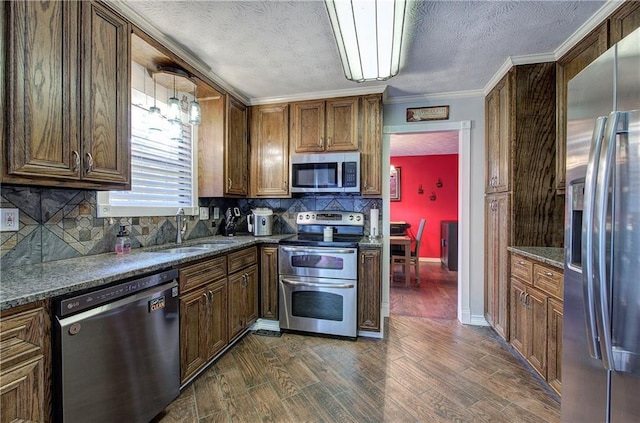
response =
{"points": [[181, 223]]}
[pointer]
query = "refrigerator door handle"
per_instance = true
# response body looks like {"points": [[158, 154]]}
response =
{"points": [[587, 238], [602, 283]]}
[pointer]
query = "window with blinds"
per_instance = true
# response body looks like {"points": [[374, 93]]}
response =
{"points": [[162, 169]]}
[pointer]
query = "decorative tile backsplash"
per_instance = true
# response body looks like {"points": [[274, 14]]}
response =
{"points": [[57, 224]]}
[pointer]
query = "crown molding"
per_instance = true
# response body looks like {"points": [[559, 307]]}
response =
{"points": [[434, 97], [123, 8], [596, 19], [502, 71], [378, 89]]}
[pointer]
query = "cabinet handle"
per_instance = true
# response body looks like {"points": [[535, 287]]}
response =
{"points": [[205, 297], [548, 274], [76, 165], [362, 258], [229, 183], [285, 185], [89, 163], [210, 295], [320, 142], [329, 141], [520, 297]]}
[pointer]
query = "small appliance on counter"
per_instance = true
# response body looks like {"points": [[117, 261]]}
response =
{"points": [[260, 221], [231, 217]]}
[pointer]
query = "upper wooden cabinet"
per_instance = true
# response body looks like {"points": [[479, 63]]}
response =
{"points": [[324, 125], [371, 149], [619, 24], [236, 149], [499, 135], [68, 95], [270, 151], [223, 150]]}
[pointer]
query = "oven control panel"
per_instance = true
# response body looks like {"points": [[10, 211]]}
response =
{"points": [[325, 217]]}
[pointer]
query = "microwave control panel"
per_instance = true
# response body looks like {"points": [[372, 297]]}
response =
{"points": [[350, 174]]}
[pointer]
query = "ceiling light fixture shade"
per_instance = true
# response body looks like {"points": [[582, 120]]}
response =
{"points": [[195, 115], [369, 36], [175, 109], [155, 114]]}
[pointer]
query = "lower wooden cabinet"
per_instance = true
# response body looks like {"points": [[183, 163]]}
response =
{"points": [[25, 379], [203, 314], [554, 344], [369, 294], [536, 316], [269, 282], [243, 290]]}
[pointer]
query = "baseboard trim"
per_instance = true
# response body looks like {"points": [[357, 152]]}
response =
{"points": [[478, 321]]}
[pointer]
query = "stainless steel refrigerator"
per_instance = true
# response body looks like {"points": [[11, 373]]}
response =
{"points": [[601, 322]]}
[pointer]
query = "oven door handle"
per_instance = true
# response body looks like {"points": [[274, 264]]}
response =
{"points": [[319, 285], [326, 250]]}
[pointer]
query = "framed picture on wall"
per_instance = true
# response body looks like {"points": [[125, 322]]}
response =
{"points": [[394, 188]]}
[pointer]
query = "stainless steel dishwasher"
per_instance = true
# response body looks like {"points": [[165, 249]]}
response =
{"points": [[116, 352]]}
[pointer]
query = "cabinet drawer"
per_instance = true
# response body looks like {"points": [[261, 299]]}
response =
{"points": [[243, 258], [194, 275], [21, 337], [548, 280], [521, 268]]}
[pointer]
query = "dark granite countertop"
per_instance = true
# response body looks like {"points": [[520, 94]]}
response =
{"points": [[25, 284], [552, 256]]}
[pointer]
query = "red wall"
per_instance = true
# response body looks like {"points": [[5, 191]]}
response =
{"points": [[425, 171]]}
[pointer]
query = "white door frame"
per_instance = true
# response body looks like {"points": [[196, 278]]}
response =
{"points": [[464, 206]]}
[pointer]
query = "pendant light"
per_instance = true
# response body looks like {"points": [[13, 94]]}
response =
{"points": [[175, 130], [175, 110], [155, 115], [195, 115]]}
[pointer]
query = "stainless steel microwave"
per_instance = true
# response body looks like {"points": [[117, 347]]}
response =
{"points": [[328, 172]]}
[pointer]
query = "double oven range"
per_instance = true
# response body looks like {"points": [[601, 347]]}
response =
{"points": [[318, 274]]}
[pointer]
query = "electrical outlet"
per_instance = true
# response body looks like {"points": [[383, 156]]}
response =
{"points": [[216, 212], [9, 219], [204, 213]]}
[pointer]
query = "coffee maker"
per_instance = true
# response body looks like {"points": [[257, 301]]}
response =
{"points": [[231, 217]]}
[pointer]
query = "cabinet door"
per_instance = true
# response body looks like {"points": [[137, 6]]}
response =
{"points": [[106, 95], [497, 212], [193, 332], [236, 309], [269, 282], [216, 317], [306, 127], [554, 344], [251, 295], [41, 96], [371, 149], [236, 149], [518, 317], [499, 109], [369, 296], [342, 124], [537, 306], [270, 151]]}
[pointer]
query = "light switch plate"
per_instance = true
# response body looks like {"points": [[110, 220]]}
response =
{"points": [[216, 212], [9, 220], [204, 213]]}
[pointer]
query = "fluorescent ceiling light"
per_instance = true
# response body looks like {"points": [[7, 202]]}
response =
{"points": [[369, 36]]}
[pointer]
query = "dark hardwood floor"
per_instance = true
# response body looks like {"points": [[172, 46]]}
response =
{"points": [[435, 297], [427, 369]]}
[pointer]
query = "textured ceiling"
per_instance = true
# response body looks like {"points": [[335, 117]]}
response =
{"points": [[278, 49]]}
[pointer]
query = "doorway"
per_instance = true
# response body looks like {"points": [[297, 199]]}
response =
{"points": [[424, 168], [463, 130]]}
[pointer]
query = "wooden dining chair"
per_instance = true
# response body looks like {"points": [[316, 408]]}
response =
{"points": [[415, 258]]}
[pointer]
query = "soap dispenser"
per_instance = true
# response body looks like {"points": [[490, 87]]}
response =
{"points": [[123, 242]]}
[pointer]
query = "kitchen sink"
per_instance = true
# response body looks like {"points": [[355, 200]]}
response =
{"points": [[190, 249]]}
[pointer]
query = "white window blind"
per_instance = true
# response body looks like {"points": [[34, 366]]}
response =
{"points": [[162, 169]]}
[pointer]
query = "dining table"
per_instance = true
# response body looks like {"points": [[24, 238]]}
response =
{"points": [[405, 242]]}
